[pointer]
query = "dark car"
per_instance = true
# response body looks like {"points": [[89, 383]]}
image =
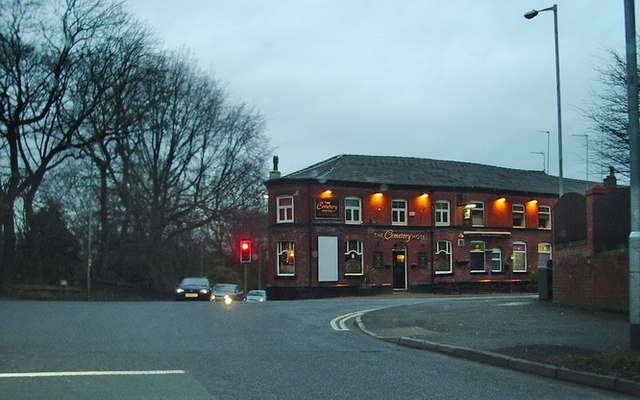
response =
{"points": [[233, 291], [194, 289]]}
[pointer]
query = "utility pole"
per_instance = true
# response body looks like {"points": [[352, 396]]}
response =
{"points": [[634, 142]]}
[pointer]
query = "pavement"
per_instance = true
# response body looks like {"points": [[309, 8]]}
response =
{"points": [[516, 332]]}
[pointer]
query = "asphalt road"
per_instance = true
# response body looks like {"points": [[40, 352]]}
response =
{"points": [[276, 350]]}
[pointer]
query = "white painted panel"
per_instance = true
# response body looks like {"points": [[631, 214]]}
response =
{"points": [[327, 258]]}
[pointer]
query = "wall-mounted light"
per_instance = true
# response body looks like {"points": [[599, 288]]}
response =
{"points": [[265, 196], [502, 199], [327, 193], [424, 195], [533, 201], [470, 205]]}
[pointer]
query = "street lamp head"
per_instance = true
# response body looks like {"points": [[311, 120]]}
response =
{"points": [[531, 14]]}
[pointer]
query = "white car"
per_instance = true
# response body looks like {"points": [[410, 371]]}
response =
{"points": [[256, 295]]}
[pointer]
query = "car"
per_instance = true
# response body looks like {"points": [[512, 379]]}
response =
{"points": [[194, 289], [256, 295], [231, 290]]}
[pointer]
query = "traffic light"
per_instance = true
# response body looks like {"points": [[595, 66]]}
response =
{"points": [[245, 251]]}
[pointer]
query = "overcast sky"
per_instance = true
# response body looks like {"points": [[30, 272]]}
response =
{"points": [[455, 80]]}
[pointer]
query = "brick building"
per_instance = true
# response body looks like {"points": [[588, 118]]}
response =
{"points": [[406, 224]]}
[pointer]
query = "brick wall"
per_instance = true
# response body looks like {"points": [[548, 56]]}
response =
{"points": [[598, 282], [582, 276]]}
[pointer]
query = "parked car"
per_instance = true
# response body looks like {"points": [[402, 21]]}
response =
{"points": [[194, 289], [256, 295], [233, 291]]}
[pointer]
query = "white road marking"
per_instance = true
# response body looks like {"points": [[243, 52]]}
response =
{"points": [[86, 373], [340, 323]]}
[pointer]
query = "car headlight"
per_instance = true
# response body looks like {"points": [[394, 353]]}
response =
{"points": [[228, 299], [179, 290], [204, 291]]}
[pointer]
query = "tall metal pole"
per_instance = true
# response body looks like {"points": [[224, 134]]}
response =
{"points": [[555, 30], [529, 15], [634, 142], [548, 139]]}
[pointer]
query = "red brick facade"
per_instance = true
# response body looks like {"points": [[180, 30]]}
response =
{"points": [[409, 253]]}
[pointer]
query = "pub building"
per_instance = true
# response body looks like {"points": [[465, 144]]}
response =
{"points": [[405, 223]]}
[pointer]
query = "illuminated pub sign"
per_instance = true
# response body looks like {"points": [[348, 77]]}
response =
{"points": [[327, 209]]}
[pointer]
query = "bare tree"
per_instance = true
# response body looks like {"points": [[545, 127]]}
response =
{"points": [[182, 158], [609, 117], [57, 62]]}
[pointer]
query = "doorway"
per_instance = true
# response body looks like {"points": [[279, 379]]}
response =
{"points": [[399, 256]]}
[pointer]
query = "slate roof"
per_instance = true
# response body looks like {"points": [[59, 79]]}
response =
{"points": [[408, 171]]}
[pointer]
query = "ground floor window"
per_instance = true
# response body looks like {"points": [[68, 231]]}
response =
{"points": [[477, 257], [353, 257], [286, 258], [442, 258], [519, 257], [496, 260], [544, 254]]}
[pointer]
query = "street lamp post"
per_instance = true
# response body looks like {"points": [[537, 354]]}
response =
{"points": [[529, 15], [634, 143], [586, 141], [548, 139]]}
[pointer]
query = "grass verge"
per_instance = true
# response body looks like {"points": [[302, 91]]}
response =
{"points": [[624, 364]]}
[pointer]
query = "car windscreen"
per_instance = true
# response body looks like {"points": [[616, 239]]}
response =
{"points": [[195, 282], [221, 287]]}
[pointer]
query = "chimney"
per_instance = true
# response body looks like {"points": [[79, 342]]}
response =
{"points": [[275, 174], [610, 182]]}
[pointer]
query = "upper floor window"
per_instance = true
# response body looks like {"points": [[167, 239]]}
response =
{"points": [[286, 258], [398, 212], [442, 258], [353, 257], [284, 209], [518, 216], [519, 257], [477, 257], [352, 210], [544, 217], [442, 213], [474, 213]]}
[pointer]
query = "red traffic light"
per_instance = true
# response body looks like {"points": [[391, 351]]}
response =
{"points": [[245, 251]]}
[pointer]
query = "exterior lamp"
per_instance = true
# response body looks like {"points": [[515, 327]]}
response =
{"points": [[529, 15]]}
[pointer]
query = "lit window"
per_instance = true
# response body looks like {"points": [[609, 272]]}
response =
{"points": [[477, 257], [286, 258], [544, 254], [398, 212], [285, 209], [474, 213], [544, 217], [519, 257], [353, 257], [442, 213], [496, 260], [352, 210], [442, 258], [518, 216]]}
